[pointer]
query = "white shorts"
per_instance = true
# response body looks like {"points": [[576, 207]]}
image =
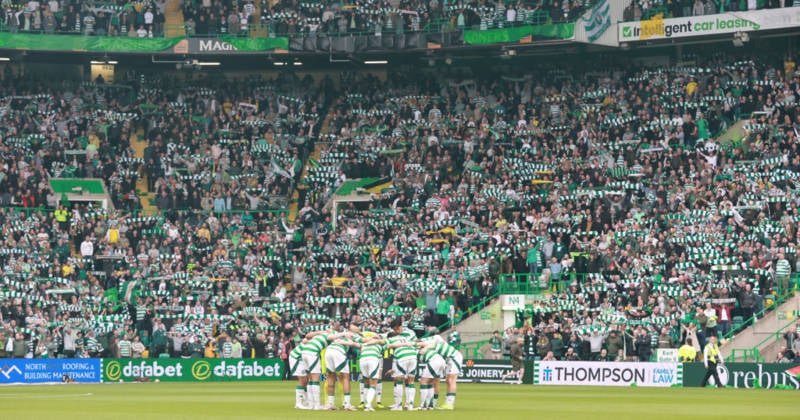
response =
{"points": [[406, 367], [297, 367], [433, 369], [454, 364], [370, 368], [336, 362], [312, 362]]}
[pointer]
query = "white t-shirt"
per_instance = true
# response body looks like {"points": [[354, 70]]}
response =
{"points": [[711, 160], [511, 15], [87, 248]]}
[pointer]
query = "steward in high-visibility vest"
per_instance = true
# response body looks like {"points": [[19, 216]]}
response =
{"points": [[62, 218], [687, 353]]}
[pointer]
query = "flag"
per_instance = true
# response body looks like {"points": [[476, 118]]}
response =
{"points": [[795, 371], [599, 20], [280, 171], [130, 290]]}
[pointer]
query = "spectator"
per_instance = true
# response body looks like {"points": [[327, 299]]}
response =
{"points": [[614, 342], [517, 368], [792, 337], [643, 344], [665, 339], [595, 344], [687, 352]]}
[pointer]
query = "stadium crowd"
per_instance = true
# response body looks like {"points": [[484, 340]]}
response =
{"points": [[646, 9], [142, 18], [332, 17], [146, 18], [609, 185]]}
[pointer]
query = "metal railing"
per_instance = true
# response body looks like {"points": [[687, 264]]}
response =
{"points": [[745, 355], [142, 212], [462, 315], [267, 29], [533, 284], [472, 350], [755, 351], [779, 298]]}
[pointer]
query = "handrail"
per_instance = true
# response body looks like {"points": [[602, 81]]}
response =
{"points": [[522, 283], [470, 311], [779, 300], [776, 335], [472, 349], [746, 355]]}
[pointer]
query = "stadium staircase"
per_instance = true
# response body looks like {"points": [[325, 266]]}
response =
{"points": [[476, 329], [733, 134], [294, 202], [146, 196], [762, 341], [173, 17]]}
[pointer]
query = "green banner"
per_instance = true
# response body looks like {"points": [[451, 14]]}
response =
{"points": [[512, 35], [746, 375], [191, 370], [42, 42], [494, 371]]}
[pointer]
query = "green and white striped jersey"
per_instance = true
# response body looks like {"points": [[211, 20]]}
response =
{"points": [[374, 351], [316, 344], [227, 349], [295, 353], [406, 336], [403, 352], [782, 268], [370, 351], [124, 348], [445, 350], [427, 355], [341, 348]]}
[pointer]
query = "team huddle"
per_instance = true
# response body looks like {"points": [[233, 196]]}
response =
{"points": [[427, 360]]}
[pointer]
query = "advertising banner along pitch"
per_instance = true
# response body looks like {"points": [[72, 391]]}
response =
{"points": [[492, 371], [747, 375], [607, 373], [38, 371], [192, 370]]}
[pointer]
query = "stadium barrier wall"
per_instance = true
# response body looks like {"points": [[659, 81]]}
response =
{"points": [[746, 375], [191, 370], [652, 374], [180, 45], [492, 371], [40, 371], [733, 375]]}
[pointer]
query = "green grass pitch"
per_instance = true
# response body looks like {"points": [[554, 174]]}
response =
{"points": [[275, 400]]}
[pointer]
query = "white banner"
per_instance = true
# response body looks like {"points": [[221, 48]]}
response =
{"points": [[723, 23], [513, 302], [667, 355], [607, 373]]}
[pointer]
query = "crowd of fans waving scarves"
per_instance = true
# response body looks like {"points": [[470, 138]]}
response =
{"points": [[610, 181]]}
